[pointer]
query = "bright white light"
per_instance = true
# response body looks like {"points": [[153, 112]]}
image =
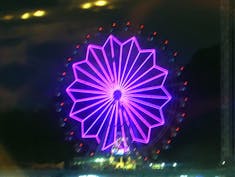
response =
{"points": [[151, 164], [86, 5], [101, 3], [39, 13], [99, 160], [163, 164], [183, 175], [174, 164], [88, 176], [223, 163]]}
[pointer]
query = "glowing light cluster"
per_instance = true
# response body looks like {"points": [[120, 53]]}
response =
{"points": [[37, 13], [98, 3], [118, 91], [8, 17], [25, 16]]}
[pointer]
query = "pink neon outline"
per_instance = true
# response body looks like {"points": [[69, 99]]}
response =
{"points": [[125, 83], [107, 81], [145, 111], [144, 89], [85, 134], [146, 81], [90, 76], [107, 64], [148, 96], [91, 66], [142, 120], [90, 106], [90, 84], [127, 59], [146, 72], [98, 61], [115, 74], [122, 129], [137, 126], [107, 132]]}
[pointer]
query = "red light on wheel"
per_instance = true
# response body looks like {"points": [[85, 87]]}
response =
{"points": [[166, 42], [141, 27], [158, 151], [128, 23], [114, 24]]}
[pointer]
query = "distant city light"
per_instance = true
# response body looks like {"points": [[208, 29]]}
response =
{"points": [[25, 16], [151, 164], [8, 17], [163, 164], [86, 5], [39, 13], [174, 164], [101, 3], [183, 175], [223, 163], [99, 160]]}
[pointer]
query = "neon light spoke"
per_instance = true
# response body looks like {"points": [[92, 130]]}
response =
{"points": [[87, 117], [97, 109], [147, 124], [137, 70], [138, 115], [122, 127], [108, 130], [114, 91], [90, 106], [127, 59], [119, 66], [146, 81], [111, 106], [144, 89], [91, 98], [135, 122], [115, 73], [90, 84], [129, 70], [100, 65], [116, 122], [144, 103], [138, 78], [90, 76], [108, 65], [85, 91], [145, 111], [98, 73], [148, 96], [112, 49], [106, 107]]}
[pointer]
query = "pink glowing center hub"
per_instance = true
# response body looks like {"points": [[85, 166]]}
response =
{"points": [[118, 92]]}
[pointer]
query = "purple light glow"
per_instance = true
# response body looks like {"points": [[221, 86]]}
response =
{"points": [[118, 91]]}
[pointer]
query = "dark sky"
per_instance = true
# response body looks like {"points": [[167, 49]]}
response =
{"points": [[32, 51]]}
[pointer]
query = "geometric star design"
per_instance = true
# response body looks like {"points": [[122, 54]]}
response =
{"points": [[118, 91]]}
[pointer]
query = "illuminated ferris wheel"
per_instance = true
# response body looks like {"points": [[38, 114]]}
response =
{"points": [[118, 91]]}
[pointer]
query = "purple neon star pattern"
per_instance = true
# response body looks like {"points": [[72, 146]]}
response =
{"points": [[118, 91]]}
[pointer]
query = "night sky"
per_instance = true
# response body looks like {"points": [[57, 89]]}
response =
{"points": [[32, 52]]}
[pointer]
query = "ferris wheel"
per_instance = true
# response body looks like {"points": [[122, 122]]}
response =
{"points": [[123, 90]]}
